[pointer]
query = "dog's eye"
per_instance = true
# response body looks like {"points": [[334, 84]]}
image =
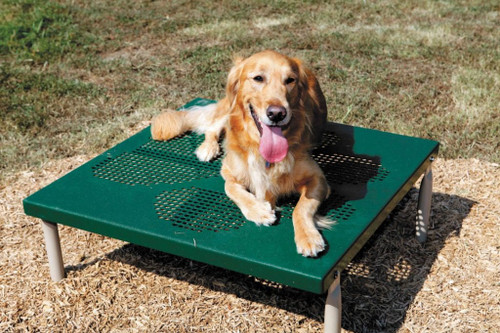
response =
{"points": [[289, 80], [258, 78]]}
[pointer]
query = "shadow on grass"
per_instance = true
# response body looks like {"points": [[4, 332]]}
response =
{"points": [[377, 287]]}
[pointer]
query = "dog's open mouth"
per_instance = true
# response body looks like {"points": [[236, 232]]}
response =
{"points": [[273, 144]]}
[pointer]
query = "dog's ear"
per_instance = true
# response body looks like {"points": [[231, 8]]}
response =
{"points": [[303, 79], [233, 79]]}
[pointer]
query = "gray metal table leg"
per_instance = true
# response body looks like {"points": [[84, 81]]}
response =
{"points": [[333, 307], [53, 246], [424, 205]]}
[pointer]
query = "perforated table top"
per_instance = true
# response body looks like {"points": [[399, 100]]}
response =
{"points": [[158, 195]]}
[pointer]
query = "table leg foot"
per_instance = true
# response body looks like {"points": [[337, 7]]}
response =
{"points": [[53, 246]]}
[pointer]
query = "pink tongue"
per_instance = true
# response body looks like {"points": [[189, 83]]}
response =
{"points": [[273, 145]]}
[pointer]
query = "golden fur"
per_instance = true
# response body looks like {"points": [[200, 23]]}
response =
{"points": [[266, 79]]}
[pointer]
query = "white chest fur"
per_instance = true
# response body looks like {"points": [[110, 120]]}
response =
{"points": [[265, 179]]}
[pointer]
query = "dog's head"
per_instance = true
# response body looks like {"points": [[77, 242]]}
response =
{"points": [[266, 89]]}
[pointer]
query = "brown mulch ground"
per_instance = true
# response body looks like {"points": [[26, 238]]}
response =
{"points": [[451, 284]]}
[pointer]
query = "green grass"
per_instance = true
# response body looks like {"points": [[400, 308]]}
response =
{"points": [[75, 75], [38, 31]]}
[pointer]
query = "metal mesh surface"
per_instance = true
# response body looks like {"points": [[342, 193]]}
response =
{"points": [[198, 210], [156, 162], [340, 168]]}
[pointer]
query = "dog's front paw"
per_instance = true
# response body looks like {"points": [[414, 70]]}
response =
{"points": [[261, 213], [208, 150], [310, 244]]}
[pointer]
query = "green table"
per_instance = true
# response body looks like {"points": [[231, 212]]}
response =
{"points": [[158, 195]]}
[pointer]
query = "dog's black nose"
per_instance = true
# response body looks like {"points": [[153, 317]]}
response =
{"points": [[276, 113]]}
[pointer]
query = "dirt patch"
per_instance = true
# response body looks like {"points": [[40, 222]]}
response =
{"points": [[395, 284]]}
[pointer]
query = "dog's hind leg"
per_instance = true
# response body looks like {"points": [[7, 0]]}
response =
{"points": [[210, 148], [172, 123], [209, 120]]}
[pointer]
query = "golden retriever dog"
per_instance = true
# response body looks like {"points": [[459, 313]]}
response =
{"points": [[272, 115]]}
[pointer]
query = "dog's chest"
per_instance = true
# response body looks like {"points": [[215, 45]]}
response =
{"points": [[265, 178]]}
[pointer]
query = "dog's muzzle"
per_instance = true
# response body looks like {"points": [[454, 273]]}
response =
{"points": [[273, 145]]}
